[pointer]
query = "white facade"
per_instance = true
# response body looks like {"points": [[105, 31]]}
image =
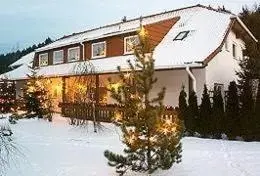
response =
{"points": [[172, 80], [223, 67]]}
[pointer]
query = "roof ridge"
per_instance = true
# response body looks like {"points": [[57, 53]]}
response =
{"points": [[130, 20]]}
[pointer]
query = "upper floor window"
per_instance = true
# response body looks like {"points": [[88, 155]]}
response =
{"points": [[43, 59], [58, 57], [182, 35], [99, 50], [226, 45], [234, 50], [130, 43], [73, 54]]}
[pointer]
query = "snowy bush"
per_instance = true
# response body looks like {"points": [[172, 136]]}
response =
{"points": [[7, 147]]}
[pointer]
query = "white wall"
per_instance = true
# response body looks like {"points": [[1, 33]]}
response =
{"points": [[19, 86], [222, 68], [173, 81]]}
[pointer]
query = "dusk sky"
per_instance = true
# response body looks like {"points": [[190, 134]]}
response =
{"points": [[26, 22]]}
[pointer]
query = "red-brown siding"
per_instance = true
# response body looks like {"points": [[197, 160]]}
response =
{"points": [[115, 44]]}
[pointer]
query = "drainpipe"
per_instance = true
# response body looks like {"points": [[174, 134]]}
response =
{"points": [[193, 78], [83, 50]]}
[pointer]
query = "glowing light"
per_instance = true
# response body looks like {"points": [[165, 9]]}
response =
{"points": [[115, 86], [58, 88], [131, 139], [153, 139], [117, 117], [168, 121], [127, 75], [81, 88], [142, 32]]}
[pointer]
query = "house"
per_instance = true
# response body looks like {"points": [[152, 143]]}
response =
{"points": [[193, 46]]}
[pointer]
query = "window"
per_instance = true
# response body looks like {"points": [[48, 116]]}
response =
{"points": [[130, 43], [234, 51], [58, 57], [182, 35], [99, 50], [219, 87], [43, 59], [226, 45], [73, 54]]}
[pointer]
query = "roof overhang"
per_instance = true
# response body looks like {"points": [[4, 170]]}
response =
{"points": [[242, 30]]}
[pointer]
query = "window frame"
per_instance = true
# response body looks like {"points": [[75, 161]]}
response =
{"points": [[234, 50], [40, 65], [69, 49], [176, 38], [59, 62], [92, 49], [125, 44]]}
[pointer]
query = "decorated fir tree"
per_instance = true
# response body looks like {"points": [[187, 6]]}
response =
{"points": [[232, 111], [205, 122], [151, 141], [37, 99], [7, 96], [218, 123]]}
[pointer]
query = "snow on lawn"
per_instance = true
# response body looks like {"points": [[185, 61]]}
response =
{"points": [[58, 149]]}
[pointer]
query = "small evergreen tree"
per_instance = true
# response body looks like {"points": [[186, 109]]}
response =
{"points": [[193, 113], [152, 142], [36, 98], [205, 123], [183, 107], [232, 111], [257, 114], [247, 109], [7, 96], [218, 115]]}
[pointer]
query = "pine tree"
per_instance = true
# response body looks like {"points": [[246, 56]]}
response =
{"points": [[183, 107], [247, 109], [152, 142], [218, 115], [257, 114], [232, 111], [193, 113], [205, 122], [36, 97], [7, 96]]}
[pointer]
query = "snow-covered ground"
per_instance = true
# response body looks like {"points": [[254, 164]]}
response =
{"points": [[58, 149]]}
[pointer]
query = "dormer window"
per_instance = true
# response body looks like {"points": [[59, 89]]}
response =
{"points": [[130, 43], [182, 35], [43, 59], [73, 54], [58, 57], [99, 50]]}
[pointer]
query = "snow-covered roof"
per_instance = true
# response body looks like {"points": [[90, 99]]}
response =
{"points": [[27, 59], [207, 27], [107, 65]]}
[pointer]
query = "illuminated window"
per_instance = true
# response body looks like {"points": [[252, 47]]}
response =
{"points": [[99, 50], [130, 43], [181, 35], [43, 59], [58, 57], [73, 54]]}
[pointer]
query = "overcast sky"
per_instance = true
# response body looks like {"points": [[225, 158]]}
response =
{"points": [[25, 22]]}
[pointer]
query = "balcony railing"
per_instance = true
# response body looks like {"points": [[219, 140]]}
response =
{"points": [[102, 113]]}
